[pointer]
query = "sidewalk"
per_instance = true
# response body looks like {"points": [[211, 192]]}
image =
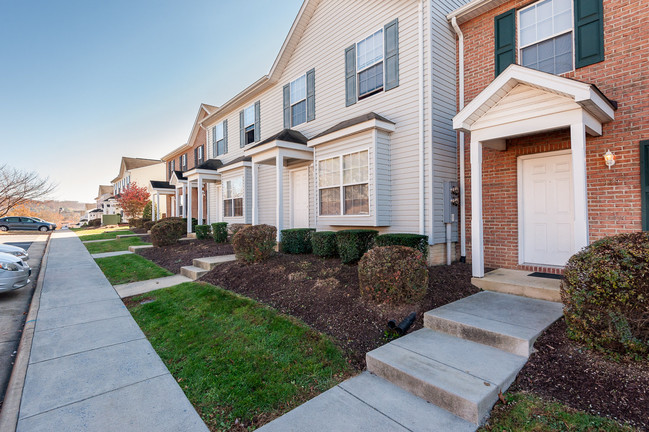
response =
{"points": [[91, 368]]}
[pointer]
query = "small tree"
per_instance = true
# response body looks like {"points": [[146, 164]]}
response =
{"points": [[133, 199], [19, 187], [146, 213]]}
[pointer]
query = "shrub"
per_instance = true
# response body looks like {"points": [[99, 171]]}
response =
{"points": [[167, 232], [202, 232], [220, 232], [605, 293], [146, 212], [147, 225], [254, 243], [194, 223], [132, 222], [236, 227], [94, 223], [393, 274], [415, 241], [297, 240], [352, 244], [323, 243]]}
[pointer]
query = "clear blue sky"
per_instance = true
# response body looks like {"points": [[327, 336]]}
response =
{"points": [[83, 83]]}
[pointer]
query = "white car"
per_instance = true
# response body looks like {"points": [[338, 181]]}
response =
{"points": [[15, 251], [14, 273]]}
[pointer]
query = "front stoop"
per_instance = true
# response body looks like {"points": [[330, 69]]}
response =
{"points": [[518, 282], [208, 263], [192, 272]]}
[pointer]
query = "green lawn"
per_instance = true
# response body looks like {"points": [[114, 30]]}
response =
{"points": [[528, 413], [233, 357], [102, 234], [130, 268], [114, 245]]}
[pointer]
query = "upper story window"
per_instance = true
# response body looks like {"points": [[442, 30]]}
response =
{"points": [[249, 125], [183, 162], [218, 139], [546, 36], [369, 64], [344, 180], [199, 156], [298, 101], [233, 198]]}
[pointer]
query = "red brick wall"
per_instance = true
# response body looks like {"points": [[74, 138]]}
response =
{"points": [[613, 195]]}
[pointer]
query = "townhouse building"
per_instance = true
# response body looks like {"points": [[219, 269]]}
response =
{"points": [[140, 171], [106, 201], [553, 98]]}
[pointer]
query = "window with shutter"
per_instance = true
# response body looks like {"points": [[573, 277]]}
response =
{"points": [[644, 183], [505, 40], [218, 139]]}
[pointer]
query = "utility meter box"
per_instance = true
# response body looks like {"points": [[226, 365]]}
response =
{"points": [[451, 201]]}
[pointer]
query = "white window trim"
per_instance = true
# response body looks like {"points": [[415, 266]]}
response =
{"points": [[306, 107], [358, 71], [215, 142], [224, 195], [518, 35], [341, 186]]}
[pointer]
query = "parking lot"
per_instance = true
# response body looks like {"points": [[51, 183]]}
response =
{"points": [[15, 304]]}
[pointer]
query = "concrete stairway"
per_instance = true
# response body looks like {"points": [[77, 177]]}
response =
{"points": [[444, 377], [519, 282], [203, 265]]}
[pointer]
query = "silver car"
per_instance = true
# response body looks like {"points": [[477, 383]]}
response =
{"points": [[14, 273], [25, 223], [15, 251]]}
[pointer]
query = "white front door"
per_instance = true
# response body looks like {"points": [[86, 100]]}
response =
{"points": [[548, 211], [300, 198]]}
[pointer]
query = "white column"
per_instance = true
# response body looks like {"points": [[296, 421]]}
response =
{"points": [[152, 208], [255, 203], [157, 206], [185, 201], [200, 200], [279, 218], [189, 207], [477, 239], [177, 204], [207, 203], [578, 148]]}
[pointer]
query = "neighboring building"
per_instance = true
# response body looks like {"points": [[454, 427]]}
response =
{"points": [[570, 93], [141, 172], [106, 200], [351, 128], [92, 212]]}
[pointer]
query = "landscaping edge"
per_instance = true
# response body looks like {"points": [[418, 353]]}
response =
{"points": [[13, 396]]}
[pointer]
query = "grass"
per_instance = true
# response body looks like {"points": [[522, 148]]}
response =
{"points": [[233, 357], [529, 413], [130, 268], [102, 234], [114, 245]]}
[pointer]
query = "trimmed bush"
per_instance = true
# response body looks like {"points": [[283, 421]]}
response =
{"points": [[323, 243], [415, 241], [220, 232], [393, 274], [132, 222], [167, 232], [202, 232], [146, 212], [605, 293], [94, 223], [297, 240], [148, 225], [352, 244], [254, 243]]}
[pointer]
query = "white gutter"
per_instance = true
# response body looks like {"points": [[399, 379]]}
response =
{"points": [[460, 36], [422, 225]]}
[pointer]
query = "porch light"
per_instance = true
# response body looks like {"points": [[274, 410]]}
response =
{"points": [[609, 158]]}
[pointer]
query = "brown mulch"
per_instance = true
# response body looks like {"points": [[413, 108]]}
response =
{"points": [[183, 253], [324, 293], [587, 380]]}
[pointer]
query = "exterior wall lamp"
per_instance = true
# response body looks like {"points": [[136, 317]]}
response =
{"points": [[609, 158]]}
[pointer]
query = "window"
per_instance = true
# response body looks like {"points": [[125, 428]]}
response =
{"points": [[546, 37], [344, 180], [249, 124], [233, 199], [183, 162], [218, 140], [298, 101], [199, 155], [369, 64]]}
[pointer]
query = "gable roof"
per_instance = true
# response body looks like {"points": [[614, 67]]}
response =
{"points": [[157, 184], [105, 189], [288, 135], [204, 110], [129, 163]]}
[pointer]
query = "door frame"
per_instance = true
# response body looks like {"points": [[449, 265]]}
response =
{"points": [[290, 194], [521, 221]]}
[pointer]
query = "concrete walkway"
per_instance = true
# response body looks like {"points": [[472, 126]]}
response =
{"points": [[110, 254], [141, 287], [91, 368]]}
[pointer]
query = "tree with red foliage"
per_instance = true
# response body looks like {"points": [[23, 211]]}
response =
{"points": [[133, 199]]}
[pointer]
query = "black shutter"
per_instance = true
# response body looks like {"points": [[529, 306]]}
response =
{"points": [[589, 32], [195, 157], [225, 136], [644, 183], [310, 95], [286, 92], [257, 121], [505, 35], [242, 131], [391, 55], [350, 76]]}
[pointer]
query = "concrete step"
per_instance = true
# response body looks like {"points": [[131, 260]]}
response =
{"points": [[192, 272], [208, 263], [518, 282], [128, 235], [460, 376], [507, 322], [136, 248], [368, 403], [191, 235]]}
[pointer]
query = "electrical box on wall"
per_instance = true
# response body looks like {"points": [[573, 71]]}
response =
{"points": [[451, 201]]}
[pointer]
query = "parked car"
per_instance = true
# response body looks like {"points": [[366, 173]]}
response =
{"points": [[15, 251], [14, 273], [25, 223]]}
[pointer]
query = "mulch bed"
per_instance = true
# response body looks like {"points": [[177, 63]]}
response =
{"points": [[324, 293], [183, 253], [587, 380]]}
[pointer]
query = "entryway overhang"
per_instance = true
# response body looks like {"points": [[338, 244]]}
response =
{"points": [[523, 101]]}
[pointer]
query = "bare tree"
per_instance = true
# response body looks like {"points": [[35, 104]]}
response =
{"points": [[18, 187]]}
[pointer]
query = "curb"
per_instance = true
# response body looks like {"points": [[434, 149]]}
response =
{"points": [[13, 396]]}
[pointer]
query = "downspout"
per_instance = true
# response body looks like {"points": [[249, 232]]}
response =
{"points": [[422, 226], [460, 37]]}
